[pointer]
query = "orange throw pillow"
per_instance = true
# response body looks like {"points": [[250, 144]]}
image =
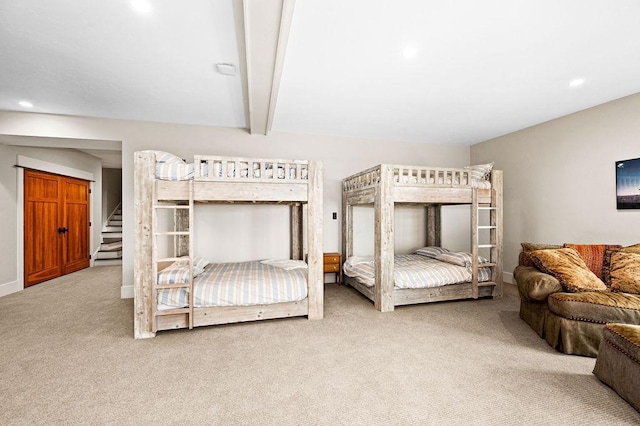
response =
{"points": [[593, 255]]}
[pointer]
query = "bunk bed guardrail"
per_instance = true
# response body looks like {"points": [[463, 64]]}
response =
{"points": [[237, 169], [410, 175]]}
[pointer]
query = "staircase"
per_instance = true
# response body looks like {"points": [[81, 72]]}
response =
{"points": [[110, 252]]}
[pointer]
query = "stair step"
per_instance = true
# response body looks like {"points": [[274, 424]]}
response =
{"points": [[107, 262], [112, 229], [116, 217], [109, 254], [115, 222], [113, 245], [111, 236]]}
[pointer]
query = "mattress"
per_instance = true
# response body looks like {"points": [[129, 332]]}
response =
{"points": [[240, 284], [414, 271]]}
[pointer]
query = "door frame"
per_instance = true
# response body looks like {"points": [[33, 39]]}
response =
{"points": [[45, 166]]}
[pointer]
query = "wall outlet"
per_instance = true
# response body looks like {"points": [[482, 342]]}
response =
{"points": [[335, 215]]}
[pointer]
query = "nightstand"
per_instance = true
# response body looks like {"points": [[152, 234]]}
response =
{"points": [[332, 265]]}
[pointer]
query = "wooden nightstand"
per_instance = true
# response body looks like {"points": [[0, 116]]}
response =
{"points": [[333, 265]]}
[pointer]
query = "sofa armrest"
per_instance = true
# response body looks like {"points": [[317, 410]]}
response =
{"points": [[534, 285]]}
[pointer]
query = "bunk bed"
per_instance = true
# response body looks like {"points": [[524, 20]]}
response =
{"points": [[385, 186], [172, 285]]}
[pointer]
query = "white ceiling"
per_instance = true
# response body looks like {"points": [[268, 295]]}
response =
{"points": [[335, 67]]}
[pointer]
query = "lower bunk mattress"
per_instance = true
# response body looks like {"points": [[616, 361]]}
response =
{"points": [[241, 284], [414, 271]]}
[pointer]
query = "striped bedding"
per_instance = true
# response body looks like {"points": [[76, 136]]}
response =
{"points": [[414, 271], [240, 284]]}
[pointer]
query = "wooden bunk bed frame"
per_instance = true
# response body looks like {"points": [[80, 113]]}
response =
{"points": [[385, 186], [151, 194]]}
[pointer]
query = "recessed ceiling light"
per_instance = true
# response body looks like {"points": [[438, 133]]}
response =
{"points": [[409, 52], [577, 82], [141, 6], [25, 104]]}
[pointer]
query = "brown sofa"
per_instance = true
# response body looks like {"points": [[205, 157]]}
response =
{"points": [[571, 322]]}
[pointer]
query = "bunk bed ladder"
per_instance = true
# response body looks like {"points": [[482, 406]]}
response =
{"points": [[492, 245], [179, 233]]}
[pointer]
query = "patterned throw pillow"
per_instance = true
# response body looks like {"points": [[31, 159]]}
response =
{"points": [[524, 258], [606, 265], [593, 255], [625, 272], [431, 251], [566, 265]]}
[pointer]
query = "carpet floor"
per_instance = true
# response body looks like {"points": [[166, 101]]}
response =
{"points": [[68, 356]]}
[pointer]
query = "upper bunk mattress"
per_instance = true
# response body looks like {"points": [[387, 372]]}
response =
{"points": [[414, 271], [240, 284]]}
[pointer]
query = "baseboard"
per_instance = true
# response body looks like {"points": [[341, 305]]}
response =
{"points": [[9, 288], [507, 277], [126, 292]]}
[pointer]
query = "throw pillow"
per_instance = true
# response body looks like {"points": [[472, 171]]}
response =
{"points": [[524, 258], [566, 265], [607, 260], [625, 272], [593, 255]]}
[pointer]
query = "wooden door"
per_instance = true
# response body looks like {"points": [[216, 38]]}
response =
{"points": [[56, 226], [75, 241]]}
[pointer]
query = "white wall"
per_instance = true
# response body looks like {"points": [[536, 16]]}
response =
{"points": [[559, 178], [341, 157], [10, 276]]}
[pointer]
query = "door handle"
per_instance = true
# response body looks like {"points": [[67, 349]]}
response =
{"points": [[62, 230]]}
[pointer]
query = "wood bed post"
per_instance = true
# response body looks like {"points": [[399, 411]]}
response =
{"points": [[434, 225], [143, 279], [296, 231], [496, 219], [314, 241], [347, 227], [384, 240]]}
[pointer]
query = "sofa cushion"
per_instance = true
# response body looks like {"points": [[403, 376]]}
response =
{"points": [[568, 267], [534, 285], [524, 258], [597, 306], [625, 272], [593, 255]]}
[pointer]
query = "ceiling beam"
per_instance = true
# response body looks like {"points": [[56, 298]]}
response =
{"points": [[267, 24]]}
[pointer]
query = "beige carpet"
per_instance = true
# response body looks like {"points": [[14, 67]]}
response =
{"points": [[67, 356]]}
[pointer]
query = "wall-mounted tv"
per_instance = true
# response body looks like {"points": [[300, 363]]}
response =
{"points": [[628, 184]]}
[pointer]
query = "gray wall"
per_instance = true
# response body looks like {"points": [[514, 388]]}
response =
{"points": [[9, 196], [559, 178], [341, 157]]}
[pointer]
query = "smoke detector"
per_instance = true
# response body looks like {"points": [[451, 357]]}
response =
{"points": [[226, 69]]}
